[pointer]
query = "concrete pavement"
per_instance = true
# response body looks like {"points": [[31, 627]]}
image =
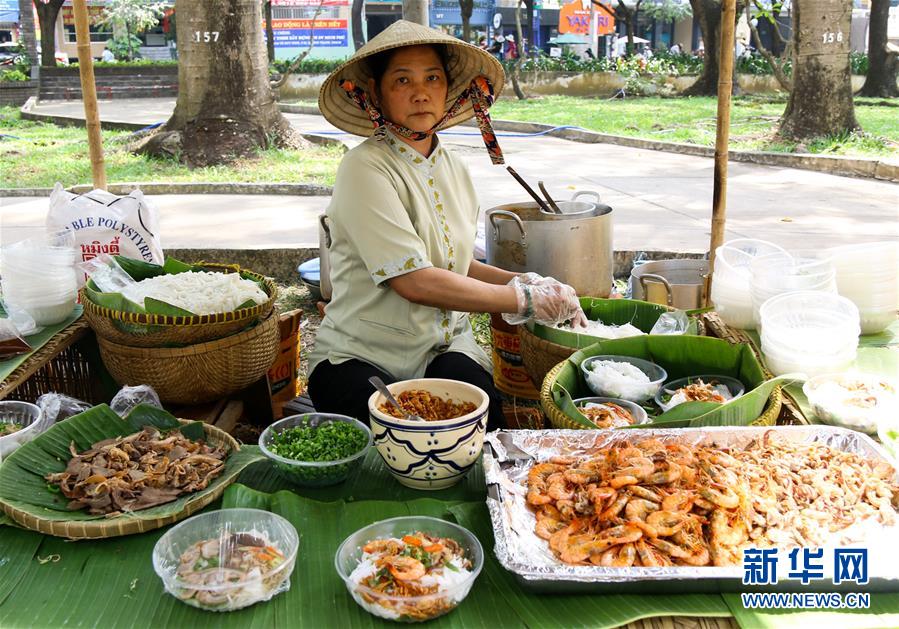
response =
{"points": [[661, 201]]}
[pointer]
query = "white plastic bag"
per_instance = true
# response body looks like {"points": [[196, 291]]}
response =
{"points": [[105, 223]]}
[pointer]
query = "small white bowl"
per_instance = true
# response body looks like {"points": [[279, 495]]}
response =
{"points": [[430, 454], [26, 414], [830, 409], [637, 393]]}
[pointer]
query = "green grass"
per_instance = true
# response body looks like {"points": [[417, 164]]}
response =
{"points": [[38, 155], [692, 120]]}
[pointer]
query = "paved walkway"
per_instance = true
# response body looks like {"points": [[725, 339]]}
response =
{"points": [[661, 201]]}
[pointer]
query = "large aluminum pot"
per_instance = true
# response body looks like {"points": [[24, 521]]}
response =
{"points": [[574, 247], [676, 283]]}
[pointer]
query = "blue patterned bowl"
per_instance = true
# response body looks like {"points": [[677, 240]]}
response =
{"points": [[430, 454]]}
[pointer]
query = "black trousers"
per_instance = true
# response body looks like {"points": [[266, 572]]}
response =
{"points": [[345, 389]]}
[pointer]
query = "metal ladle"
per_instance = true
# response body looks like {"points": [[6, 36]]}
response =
{"points": [[382, 388]]}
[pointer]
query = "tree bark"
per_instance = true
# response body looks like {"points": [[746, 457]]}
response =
{"points": [[269, 31], [46, 16], [225, 107], [466, 7], [416, 11], [883, 64], [821, 101], [29, 34], [516, 63], [356, 16], [708, 12]]}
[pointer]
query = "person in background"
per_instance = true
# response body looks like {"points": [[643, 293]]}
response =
{"points": [[511, 48], [496, 49], [675, 49], [107, 56]]}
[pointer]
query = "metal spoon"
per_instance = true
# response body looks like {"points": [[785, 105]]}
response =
{"points": [[382, 388]]}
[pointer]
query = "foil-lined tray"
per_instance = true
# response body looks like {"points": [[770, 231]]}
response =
{"points": [[508, 455]]}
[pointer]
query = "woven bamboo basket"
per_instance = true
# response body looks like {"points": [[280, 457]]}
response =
{"points": [[558, 419], [125, 524], [539, 356], [197, 373], [147, 330]]}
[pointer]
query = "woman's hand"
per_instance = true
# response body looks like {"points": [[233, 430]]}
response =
{"points": [[545, 300]]}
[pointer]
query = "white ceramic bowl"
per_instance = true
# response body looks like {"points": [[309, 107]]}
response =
{"points": [[430, 454], [408, 608], [734, 386]]}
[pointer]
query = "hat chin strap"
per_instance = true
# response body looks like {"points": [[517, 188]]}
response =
{"points": [[479, 92]]}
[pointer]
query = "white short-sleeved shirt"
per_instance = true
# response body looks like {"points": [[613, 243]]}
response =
{"points": [[394, 211]]}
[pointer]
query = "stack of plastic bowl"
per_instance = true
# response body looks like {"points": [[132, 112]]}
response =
{"points": [[38, 276], [777, 273], [868, 274], [731, 279], [812, 332]]}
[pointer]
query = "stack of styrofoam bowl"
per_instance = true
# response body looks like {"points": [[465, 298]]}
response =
{"points": [[776, 273], [731, 279], [38, 276], [812, 332], [868, 274]]}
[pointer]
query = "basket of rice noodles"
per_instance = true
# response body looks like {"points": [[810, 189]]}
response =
{"points": [[177, 304], [543, 347], [197, 373], [680, 357]]}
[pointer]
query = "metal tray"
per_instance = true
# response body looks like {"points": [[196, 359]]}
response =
{"points": [[509, 454]]}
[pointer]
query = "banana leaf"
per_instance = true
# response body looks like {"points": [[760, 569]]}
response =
{"points": [[641, 314], [22, 484], [680, 356]]}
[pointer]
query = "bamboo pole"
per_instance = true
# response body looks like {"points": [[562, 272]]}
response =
{"points": [[725, 84], [89, 94]]}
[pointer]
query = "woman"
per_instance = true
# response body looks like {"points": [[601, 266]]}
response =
{"points": [[403, 219]]}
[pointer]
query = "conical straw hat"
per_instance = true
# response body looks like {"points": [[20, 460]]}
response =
{"points": [[465, 62]]}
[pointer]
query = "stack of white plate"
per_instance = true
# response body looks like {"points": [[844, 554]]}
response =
{"points": [[813, 332], [868, 274], [731, 279], [777, 273], [39, 277]]}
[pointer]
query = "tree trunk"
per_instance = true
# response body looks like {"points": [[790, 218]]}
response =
{"points": [[356, 16], [516, 64], [225, 107], [29, 34], [46, 17], [821, 101], [466, 7], [708, 12], [269, 32], [416, 11], [883, 64], [627, 15]]}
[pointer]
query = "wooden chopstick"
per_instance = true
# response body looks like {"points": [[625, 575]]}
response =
{"points": [[549, 199], [530, 190]]}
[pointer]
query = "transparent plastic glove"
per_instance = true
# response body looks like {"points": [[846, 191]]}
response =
{"points": [[550, 303], [530, 278]]}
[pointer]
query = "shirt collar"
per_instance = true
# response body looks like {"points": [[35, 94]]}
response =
{"points": [[410, 155]]}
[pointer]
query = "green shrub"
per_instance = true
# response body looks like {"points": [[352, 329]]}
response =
{"points": [[11, 76], [858, 62]]}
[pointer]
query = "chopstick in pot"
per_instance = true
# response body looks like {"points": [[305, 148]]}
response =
{"points": [[549, 199], [530, 190]]}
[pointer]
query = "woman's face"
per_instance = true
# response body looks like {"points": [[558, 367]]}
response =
{"points": [[412, 92]]}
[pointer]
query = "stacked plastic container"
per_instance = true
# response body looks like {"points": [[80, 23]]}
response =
{"points": [[812, 332], [868, 274], [38, 276], [731, 280], [777, 273]]}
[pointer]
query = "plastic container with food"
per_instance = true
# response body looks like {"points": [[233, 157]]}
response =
{"points": [[409, 569], [624, 377], [707, 388], [228, 559], [20, 422], [316, 449], [610, 412], [853, 400]]}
